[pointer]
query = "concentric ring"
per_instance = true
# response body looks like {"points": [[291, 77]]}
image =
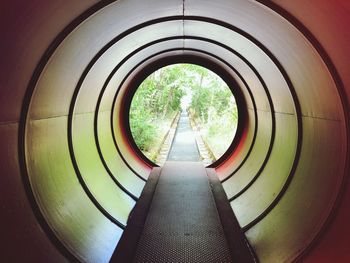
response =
{"points": [[99, 149]]}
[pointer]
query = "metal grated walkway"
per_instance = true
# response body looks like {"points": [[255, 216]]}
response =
{"points": [[183, 224], [184, 147], [183, 215]]}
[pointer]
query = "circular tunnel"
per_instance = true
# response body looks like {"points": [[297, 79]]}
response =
{"points": [[72, 173]]}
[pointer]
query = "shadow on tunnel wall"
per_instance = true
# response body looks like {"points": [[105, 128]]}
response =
{"points": [[69, 175]]}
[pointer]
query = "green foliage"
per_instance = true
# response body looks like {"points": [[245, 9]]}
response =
{"points": [[143, 130], [159, 97], [155, 102], [214, 107]]}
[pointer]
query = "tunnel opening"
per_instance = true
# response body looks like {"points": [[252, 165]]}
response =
{"points": [[185, 110], [218, 67]]}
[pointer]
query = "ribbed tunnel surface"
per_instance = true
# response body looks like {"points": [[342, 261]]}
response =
{"points": [[70, 171]]}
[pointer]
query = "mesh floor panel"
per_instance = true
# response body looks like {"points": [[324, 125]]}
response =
{"points": [[184, 147], [183, 224]]}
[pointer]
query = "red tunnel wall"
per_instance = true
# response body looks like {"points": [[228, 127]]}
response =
{"points": [[329, 22], [27, 27]]}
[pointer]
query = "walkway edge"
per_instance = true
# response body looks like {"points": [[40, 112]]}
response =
{"points": [[126, 248], [241, 250]]}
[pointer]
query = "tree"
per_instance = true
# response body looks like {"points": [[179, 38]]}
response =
{"points": [[159, 97]]}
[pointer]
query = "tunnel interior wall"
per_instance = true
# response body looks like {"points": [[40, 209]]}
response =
{"points": [[70, 171]]}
